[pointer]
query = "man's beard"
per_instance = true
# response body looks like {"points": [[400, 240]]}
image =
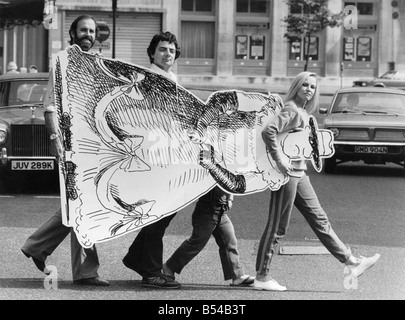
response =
{"points": [[84, 45]]}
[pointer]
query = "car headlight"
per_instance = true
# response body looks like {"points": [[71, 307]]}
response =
{"points": [[3, 136], [335, 132]]}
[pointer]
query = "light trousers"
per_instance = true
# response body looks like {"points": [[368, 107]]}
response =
{"points": [[298, 192], [49, 236]]}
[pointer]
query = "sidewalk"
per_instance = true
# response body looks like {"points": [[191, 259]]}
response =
{"points": [[307, 277]]}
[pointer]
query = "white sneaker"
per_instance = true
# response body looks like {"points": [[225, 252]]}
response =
{"points": [[365, 264], [271, 285]]}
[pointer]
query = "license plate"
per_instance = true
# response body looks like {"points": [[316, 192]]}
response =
{"points": [[376, 150], [32, 165]]}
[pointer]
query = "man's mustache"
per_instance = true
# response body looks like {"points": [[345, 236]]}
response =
{"points": [[87, 38]]}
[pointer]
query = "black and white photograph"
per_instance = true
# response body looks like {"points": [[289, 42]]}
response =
{"points": [[202, 158]]}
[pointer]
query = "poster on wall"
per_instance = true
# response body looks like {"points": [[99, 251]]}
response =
{"points": [[364, 49], [313, 48], [257, 47], [348, 49], [241, 51], [295, 49]]}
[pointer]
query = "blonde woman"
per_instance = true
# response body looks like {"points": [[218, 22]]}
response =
{"points": [[301, 101]]}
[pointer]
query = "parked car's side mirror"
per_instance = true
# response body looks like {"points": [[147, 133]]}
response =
{"points": [[323, 111]]}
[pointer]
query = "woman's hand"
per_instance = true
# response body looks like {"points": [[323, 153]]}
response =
{"points": [[285, 167]]}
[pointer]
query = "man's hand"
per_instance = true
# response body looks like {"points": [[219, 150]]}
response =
{"points": [[57, 148]]}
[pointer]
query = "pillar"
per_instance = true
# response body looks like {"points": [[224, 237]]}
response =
{"points": [[279, 44], [333, 43], [226, 33]]}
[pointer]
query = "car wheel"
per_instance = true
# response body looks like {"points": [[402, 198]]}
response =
{"points": [[330, 165]]}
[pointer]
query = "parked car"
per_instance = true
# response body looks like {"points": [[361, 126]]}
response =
{"points": [[24, 142], [368, 124], [395, 79]]}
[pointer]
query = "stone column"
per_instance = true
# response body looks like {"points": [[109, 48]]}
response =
{"points": [[226, 33], [171, 20], [171, 16], [387, 43], [279, 44], [333, 43]]}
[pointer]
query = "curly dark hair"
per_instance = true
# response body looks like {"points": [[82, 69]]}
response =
{"points": [[162, 36]]}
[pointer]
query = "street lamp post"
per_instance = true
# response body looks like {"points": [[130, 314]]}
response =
{"points": [[114, 9]]}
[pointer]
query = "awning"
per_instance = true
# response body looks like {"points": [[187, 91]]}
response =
{"points": [[21, 12]]}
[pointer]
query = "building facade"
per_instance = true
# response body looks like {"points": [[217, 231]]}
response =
{"points": [[226, 42]]}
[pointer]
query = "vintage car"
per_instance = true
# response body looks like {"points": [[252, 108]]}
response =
{"points": [[24, 142], [368, 124], [394, 79]]}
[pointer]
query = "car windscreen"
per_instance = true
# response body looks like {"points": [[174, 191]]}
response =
{"points": [[26, 92], [369, 102], [388, 75]]}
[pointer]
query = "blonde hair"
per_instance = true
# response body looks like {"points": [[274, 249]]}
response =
{"points": [[312, 105]]}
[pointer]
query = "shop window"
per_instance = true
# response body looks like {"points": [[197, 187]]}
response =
{"points": [[242, 47], [363, 49], [250, 47], [348, 49], [363, 8], [298, 49], [197, 5], [197, 39], [252, 6], [357, 48]]}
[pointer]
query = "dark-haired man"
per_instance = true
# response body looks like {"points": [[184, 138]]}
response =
{"points": [[145, 255], [47, 238]]}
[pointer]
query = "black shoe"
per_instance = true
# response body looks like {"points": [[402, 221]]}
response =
{"points": [[97, 281], [38, 263], [161, 282]]}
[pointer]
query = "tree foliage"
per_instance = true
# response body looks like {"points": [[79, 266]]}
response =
{"points": [[309, 17]]}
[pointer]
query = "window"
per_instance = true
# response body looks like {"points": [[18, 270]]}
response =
{"points": [[241, 49], [250, 47], [295, 49], [363, 49], [357, 48], [198, 35], [198, 39], [197, 5], [349, 49], [299, 46], [251, 6], [363, 8], [304, 8], [257, 47], [399, 76]]}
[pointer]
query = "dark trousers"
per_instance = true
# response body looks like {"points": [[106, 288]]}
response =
{"points": [[209, 221], [145, 255]]}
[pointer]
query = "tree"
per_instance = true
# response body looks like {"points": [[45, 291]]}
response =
{"points": [[309, 17]]}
